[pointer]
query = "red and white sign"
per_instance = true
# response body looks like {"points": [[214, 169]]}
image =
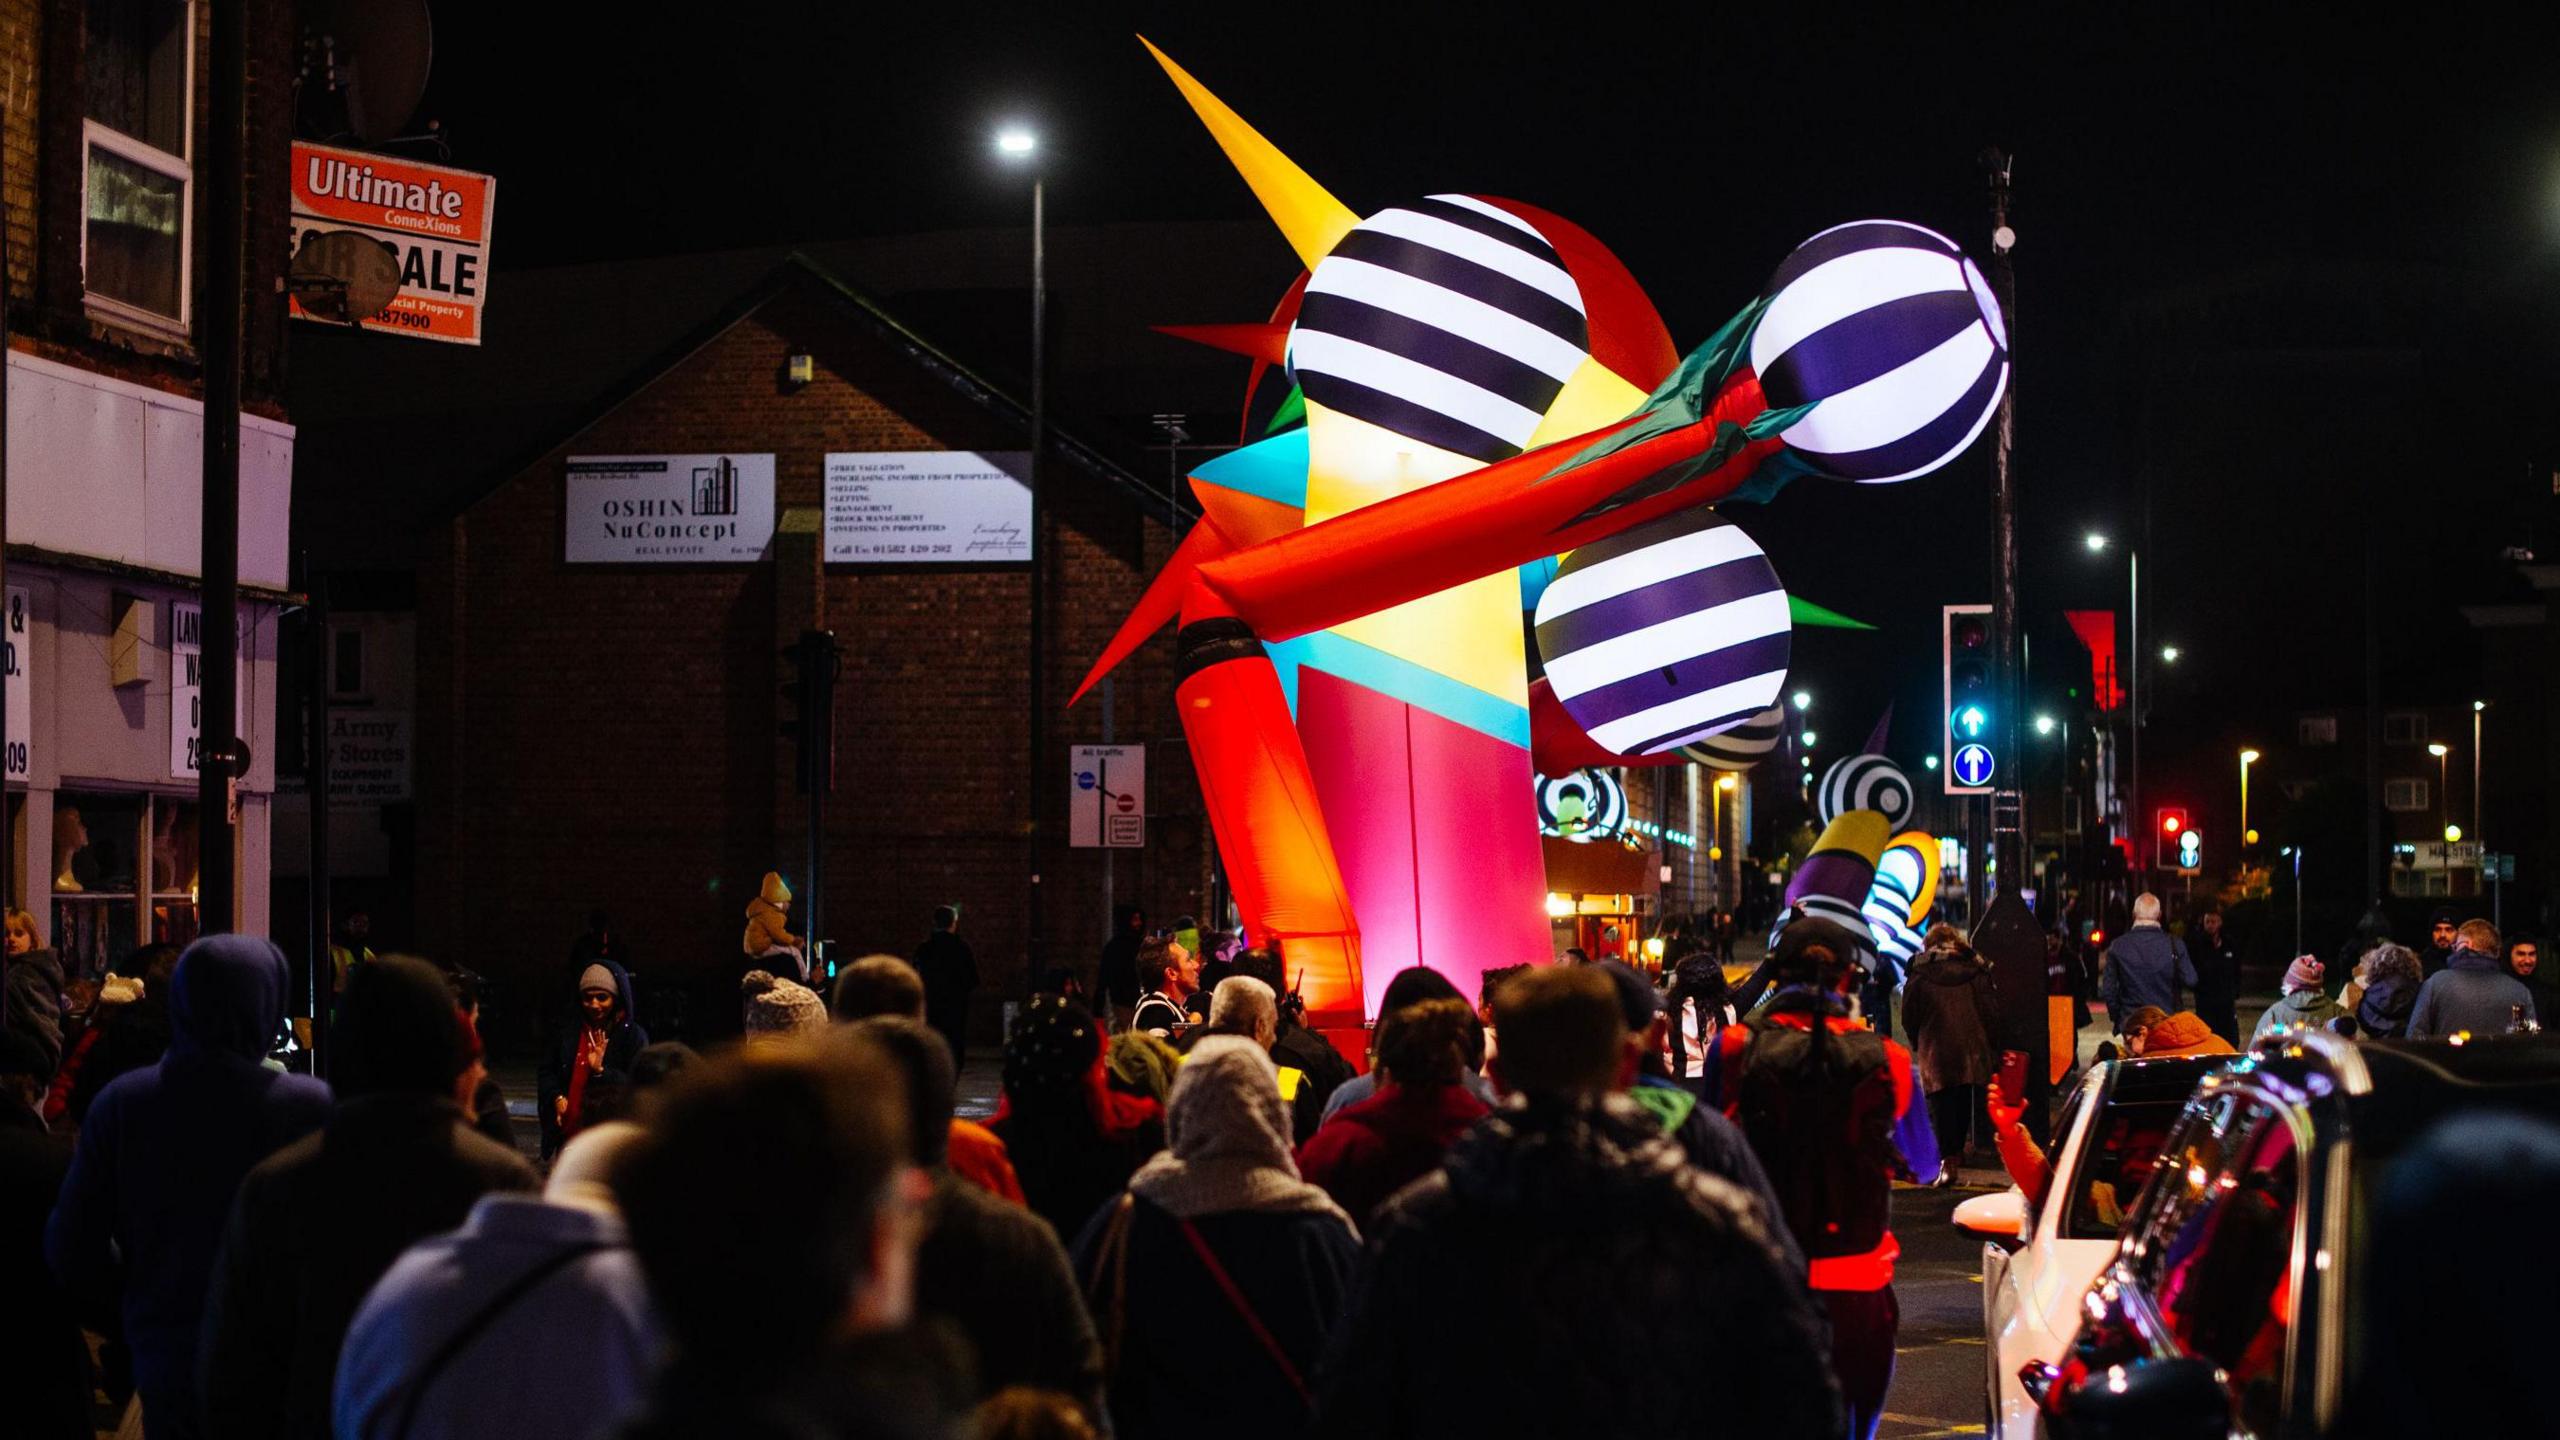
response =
{"points": [[435, 217]]}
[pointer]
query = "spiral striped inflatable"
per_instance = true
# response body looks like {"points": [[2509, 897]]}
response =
{"points": [[1894, 338], [1665, 634], [1583, 806], [1741, 747], [1450, 320], [1864, 782]]}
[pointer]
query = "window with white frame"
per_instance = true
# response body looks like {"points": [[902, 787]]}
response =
{"points": [[2405, 794], [2317, 730], [137, 215]]}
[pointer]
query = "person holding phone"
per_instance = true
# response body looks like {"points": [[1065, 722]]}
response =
{"points": [[1947, 1008]]}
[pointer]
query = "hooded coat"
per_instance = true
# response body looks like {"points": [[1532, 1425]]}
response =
{"points": [[2472, 992], [769, 918], [623, 1041], [1503, 1235], [31, 999], [2184, 1033], [1074, 1140], [2300, 1010], [2383, 1011], [162, 1154], [1947, 1006], [318, 1222]]}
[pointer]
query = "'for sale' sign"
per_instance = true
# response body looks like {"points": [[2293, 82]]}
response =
{"points": [[436, 219]]}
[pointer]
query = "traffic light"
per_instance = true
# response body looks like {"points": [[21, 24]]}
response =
{"points": [[1969, 675], [2173, 824], [811, 691], [2190, 850]]}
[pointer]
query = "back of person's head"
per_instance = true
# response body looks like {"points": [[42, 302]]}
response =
{"points": [[923, 1059], [1414, 984], [2146, 909], [1140, 1063], [159, 958], [822, 1130], [2389, 962], [1051, 1054], [1814, 951], [1425, 1044], [659, 1062], [1563, 1033], [1638, 1001], [776, 1008], [945, 917], [879, 985], [397, 1031], [1493, 981], [1019, 1412], [1943, 936], [2477, 936], [2144, 1018], [1264, 966], [227, 996], [1245, 1006], [583, 1174], [1226, 1105], [25, 1068]]}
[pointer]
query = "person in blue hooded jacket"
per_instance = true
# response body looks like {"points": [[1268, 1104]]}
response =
{"points": [[163, 1151], [584, 1076]]}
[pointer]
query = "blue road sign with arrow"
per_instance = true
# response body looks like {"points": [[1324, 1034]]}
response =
{"points": [[1973, 765]]}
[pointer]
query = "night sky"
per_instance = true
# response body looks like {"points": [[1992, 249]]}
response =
{"points": [[2277, 281]]}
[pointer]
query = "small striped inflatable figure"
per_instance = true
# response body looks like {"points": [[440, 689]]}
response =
{"points": [[1487, 416]]}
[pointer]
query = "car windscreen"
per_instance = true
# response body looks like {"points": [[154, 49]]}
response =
{"points": [[2123, 1150]]}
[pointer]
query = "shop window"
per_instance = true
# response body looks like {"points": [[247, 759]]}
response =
{"points": [[96, 855], [346, 663], [138, 204], [174, 840], [2405, 794]]}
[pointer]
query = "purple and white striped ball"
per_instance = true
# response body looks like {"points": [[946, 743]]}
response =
{"points": [[1893, 337], [1742, 746], [1665, 634]]}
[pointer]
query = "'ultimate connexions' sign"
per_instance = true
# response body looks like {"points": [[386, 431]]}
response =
{"points": [[436, 218], [668, 509], [944, 507]]}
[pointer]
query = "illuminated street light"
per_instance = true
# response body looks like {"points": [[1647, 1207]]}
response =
{"points": [[2247, 759], [2169, 654], [2044, 725], [1929, 762], [1803, 699], [1724, 782], [2096, 541], [1015, 141], [1808, 739], [2453, 834]]}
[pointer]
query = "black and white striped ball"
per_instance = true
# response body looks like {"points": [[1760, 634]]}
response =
{"points": [[1585, 805], [1665, 634], [1741, 747], [1894, 338], [1864, 782], [1450, 320]]}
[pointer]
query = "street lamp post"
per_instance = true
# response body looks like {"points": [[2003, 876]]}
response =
{"points": [[2477, 706], [1019, 144], [2442, 810], [2247, 759], [1716, 847], [2133, 706]]}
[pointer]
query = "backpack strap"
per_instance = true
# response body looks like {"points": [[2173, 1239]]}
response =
{"points": [[1244, 1309], [481, 1319]]}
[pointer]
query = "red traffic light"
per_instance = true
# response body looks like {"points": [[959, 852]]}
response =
{"points": [[2173, 820]]}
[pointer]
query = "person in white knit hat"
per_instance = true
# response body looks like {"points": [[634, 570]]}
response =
{"points": [[779, 1009]]}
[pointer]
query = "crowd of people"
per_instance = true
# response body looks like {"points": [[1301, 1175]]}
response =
{"points": [[1190, 1213]]}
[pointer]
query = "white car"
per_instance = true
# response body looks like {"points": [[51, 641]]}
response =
{"points": [[2042, 1257]]}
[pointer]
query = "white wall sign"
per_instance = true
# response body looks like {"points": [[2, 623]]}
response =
{"points": [[1107, 797], [22, 701], [953, 507], [186, 688], [668, 509]]}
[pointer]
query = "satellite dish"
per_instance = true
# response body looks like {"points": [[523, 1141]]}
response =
{"points": [[344, 276], [381, 51]]}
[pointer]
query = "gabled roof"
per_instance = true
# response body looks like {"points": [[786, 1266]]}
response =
{"points": [[396, 436]]}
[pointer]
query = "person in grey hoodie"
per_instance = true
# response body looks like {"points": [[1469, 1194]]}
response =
{"points": [[2306, 1003], [2145, 966], [2472, 992]]}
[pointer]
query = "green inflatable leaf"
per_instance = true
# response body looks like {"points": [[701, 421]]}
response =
{"points": [[1805, 612]]}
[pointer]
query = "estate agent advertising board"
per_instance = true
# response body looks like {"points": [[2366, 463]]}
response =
{"points": [[434, 217], [668, 509], [948, 507]]}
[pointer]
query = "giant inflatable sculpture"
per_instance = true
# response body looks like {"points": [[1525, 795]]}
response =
{"points": [[1496, 420]]}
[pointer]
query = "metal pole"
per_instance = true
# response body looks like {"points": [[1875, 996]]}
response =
{"points": [[2477, 837], [2297, 899], [315, 775], [14, 636], [1033, 947], [2007, 821], [218, 749], [2135, 825]]}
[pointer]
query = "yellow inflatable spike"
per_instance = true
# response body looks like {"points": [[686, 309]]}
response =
{"points": [[1308, 216]]}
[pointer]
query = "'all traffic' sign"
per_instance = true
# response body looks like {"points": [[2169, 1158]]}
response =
{"points": [[1973, 765]]}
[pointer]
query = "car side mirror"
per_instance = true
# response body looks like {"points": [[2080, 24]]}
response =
{"points": [[2004, 1214], [2179, 1399]]}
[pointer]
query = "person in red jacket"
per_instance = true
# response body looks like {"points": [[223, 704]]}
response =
{"points": [[1830, 1115], [1370, 1150]]}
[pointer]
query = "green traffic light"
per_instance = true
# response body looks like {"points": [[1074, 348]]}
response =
{"points": [[1970, 722]]}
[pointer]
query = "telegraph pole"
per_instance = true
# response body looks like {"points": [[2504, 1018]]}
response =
{"points": [[219, 753]]}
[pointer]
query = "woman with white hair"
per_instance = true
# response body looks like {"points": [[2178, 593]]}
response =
{"points": [[1217, 1248]]}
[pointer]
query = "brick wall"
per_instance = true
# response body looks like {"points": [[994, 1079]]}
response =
{"points": [[597, 736]]}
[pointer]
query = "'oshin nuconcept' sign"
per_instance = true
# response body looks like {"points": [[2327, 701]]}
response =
{"points": [[667, 509]]}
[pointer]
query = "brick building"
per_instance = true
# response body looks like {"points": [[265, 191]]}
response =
{"points": [[608, 736], [101, 148]]}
